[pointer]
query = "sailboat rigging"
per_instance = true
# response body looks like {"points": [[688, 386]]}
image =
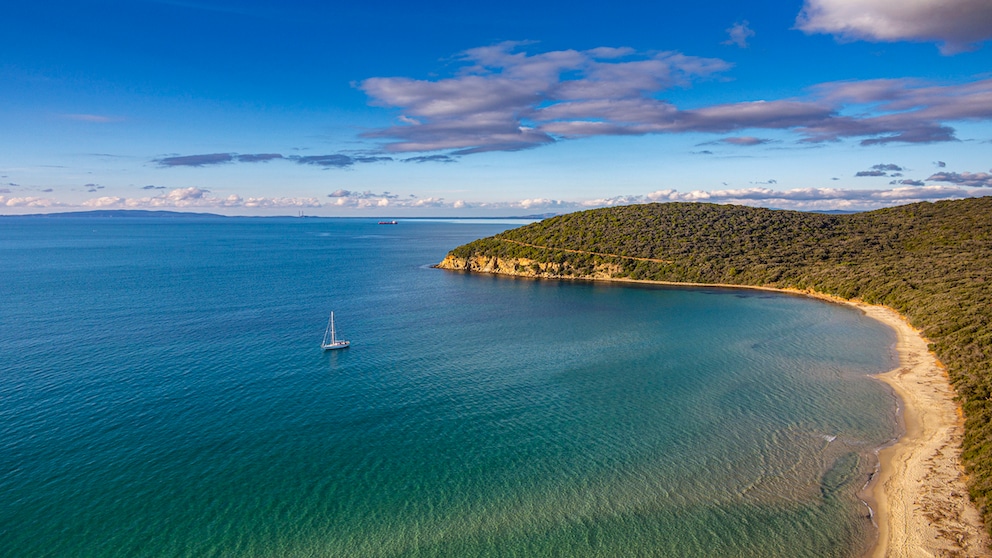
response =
{"points": [[330, 341]]}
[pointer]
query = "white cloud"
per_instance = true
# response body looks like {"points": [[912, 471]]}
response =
{"points": [[425, 202], [507, 101], [274, 203], [816, 198], [908, 191], [183, 198], [739, 33], [959, 25], [972, 179], [105, 201], [489, 104], [29, 201], [803, 199], [743, 141]]}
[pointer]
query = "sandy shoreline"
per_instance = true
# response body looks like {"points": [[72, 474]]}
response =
{"points": [[919, 497]]}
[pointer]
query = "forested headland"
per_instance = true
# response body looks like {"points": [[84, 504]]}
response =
{"points": [[931, 262]]}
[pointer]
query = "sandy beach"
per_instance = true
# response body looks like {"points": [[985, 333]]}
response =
{"points": [[919, 496]]}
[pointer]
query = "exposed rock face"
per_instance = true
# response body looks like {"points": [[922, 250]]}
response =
{"points": [[523, 267]]}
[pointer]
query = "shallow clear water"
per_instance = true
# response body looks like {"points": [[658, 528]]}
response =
{"points": [[162, 392]]}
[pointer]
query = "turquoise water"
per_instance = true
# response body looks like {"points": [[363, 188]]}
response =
{"points": [[162, 393]]}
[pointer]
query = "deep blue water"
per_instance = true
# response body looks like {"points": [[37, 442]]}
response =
{"points": [[163, 393]]}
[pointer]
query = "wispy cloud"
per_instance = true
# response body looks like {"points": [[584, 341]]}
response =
{"points": [[899, 110], [502, 100], [94, 118], [505, 100], [888, 167], [882, 169], [334, 160], [326, 161], [215, 159], [958, 25], [430, 159], [739, 33], [366, 195], [908, 182], [259, 157], [740, 141], [196, 160], [975, 180]]}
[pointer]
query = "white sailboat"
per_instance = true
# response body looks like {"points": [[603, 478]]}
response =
{"points": [[330, 341]]}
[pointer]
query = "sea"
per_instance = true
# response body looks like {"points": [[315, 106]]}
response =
{"points": [[163, 393]]}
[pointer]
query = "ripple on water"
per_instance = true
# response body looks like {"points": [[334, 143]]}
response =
{"points": [[192, 412]]}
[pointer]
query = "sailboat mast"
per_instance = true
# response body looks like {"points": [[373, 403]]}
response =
{"points": [[333, 342], [326, 331]]}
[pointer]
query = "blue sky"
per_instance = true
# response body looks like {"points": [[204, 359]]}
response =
{"points": [[514, 108]]}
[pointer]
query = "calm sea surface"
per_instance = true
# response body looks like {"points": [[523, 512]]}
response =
{"points": [[163, 393]]}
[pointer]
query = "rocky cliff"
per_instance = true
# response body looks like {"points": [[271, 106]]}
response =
{"points": [[523, 267]]}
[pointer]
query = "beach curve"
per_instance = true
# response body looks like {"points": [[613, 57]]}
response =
{"points": [[920, 495]]}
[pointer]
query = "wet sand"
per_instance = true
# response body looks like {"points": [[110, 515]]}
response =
{"points": [[920, 497]]}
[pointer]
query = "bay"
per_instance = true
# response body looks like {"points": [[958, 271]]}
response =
{"points": [[162, 392]]}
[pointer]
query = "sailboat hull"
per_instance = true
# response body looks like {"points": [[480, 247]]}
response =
{"points": [[331, 342]]}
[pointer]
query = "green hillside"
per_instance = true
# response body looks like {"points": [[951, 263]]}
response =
{"points": [[932, 262]]}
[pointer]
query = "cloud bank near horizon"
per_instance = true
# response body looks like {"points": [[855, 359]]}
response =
{"points": [[958, 186], [503, 99]]}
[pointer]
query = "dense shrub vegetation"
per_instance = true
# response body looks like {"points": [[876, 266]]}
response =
{"points": [[932, 262]]}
